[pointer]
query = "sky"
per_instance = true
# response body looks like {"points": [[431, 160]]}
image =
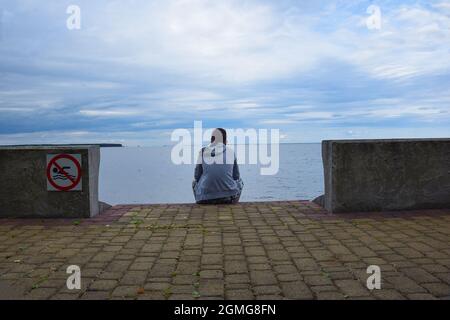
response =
{"points": [[137, 70]]}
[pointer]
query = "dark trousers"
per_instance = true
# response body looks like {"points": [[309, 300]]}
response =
{"points": [[226, 200]]}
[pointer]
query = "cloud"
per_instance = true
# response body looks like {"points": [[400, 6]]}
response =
{"points": [[227, 41], [412, 42], [138, 67], [108, 113]]}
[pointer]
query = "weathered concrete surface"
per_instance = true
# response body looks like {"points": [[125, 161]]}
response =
{"points": [[381, 175], [263, 250], [23, 183]]}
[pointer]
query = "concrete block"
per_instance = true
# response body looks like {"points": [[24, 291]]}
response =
{"points": [[384, 175], [23, 183]]}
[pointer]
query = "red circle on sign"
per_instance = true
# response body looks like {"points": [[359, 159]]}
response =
{"points": [[74, 182]]}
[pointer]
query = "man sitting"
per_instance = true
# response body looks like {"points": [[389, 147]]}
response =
{"points": [[217, 179]]}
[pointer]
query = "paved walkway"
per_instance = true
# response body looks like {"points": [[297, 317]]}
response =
{"points": [[268, 250]]}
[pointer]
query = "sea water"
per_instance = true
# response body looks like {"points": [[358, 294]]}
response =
{"points": [[147, 175]]}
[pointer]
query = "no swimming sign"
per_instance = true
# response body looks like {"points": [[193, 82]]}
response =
{"points": [[64, 172]]}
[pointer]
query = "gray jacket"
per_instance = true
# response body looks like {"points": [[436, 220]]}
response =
{"points": [[216, 173]]}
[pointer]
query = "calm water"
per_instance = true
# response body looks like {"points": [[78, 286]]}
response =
{"points": [[147, 175]]}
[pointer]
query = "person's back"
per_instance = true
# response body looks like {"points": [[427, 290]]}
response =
{"points": [[217, 178]]}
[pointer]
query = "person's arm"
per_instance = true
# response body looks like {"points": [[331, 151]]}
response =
{"points": [[236, 174], [198, 172], [198, 167]]}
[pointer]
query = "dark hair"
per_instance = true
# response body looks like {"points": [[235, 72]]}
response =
{"points": [[224, 135]]}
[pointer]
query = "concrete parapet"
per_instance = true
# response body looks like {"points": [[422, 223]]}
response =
{"points": [[384, 175], [25, 190]]}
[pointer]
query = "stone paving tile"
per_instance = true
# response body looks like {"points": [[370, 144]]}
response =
{"points": [[95, 295], [103, 285], [239, 294], [264, 250]]}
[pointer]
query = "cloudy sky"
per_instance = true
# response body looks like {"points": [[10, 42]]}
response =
{"points": [[137, 70]]}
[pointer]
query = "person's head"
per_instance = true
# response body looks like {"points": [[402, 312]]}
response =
{"points": [[219, 135]]}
